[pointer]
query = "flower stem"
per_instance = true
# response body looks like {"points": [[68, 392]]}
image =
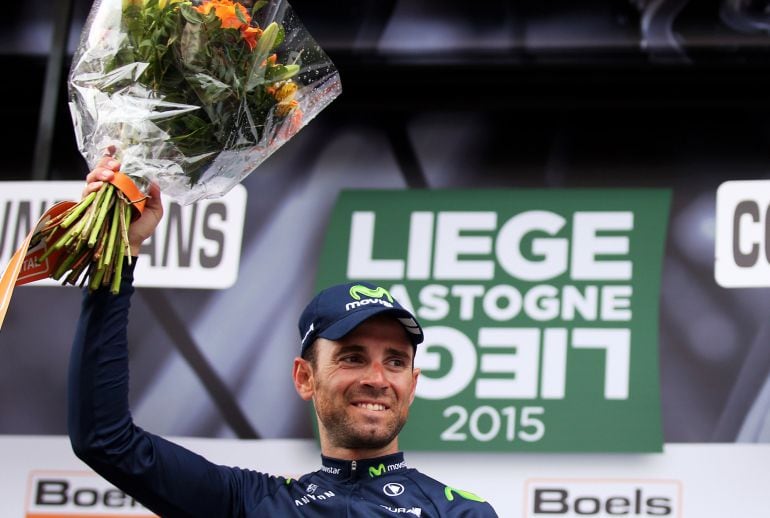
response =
{"points": [[113, 233], [91, 238], [77, 210], [125, 218], [104, 206]]}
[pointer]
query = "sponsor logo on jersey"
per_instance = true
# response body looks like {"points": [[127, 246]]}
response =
{"points": [[393, 489], [381, 469], [310, 498], [416, 511], [330, 470]]}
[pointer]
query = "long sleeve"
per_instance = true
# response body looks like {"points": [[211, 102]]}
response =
{"points": [[174, 482], [166, 478]]}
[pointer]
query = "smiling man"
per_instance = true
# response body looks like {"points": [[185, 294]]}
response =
{"points": [[357, 367], [356, 364]]}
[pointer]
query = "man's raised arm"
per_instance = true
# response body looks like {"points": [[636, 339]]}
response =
{"points": [[163, 476]]}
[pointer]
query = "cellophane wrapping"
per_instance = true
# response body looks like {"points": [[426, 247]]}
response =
{"points": [[194, 95]]}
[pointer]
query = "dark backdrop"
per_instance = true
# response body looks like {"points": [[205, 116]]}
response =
{"points": [[614, 93]]}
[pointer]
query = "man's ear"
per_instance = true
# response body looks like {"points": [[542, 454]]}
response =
{"points": [[415, 375], [303, 378]]}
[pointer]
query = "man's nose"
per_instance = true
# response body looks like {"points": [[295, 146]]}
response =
{"points": [[375, 375]]}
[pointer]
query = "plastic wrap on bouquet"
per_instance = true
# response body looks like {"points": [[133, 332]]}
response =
{"points": [[195, 95], [191, 94]]}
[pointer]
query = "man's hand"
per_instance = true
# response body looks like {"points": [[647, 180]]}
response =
{"points": [[141, 228]]}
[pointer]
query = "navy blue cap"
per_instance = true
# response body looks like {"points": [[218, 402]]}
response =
{"points": [[337, 310]]}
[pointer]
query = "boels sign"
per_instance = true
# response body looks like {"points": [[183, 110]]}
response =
{"points": [[540, 310]]}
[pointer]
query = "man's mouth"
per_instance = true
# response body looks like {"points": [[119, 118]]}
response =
{"points": [[377, 407]]}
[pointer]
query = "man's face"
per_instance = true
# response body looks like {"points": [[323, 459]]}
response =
{"points": [[363, 384]]}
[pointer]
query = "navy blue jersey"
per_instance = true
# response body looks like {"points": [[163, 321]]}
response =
{"points": [[175, 482]]}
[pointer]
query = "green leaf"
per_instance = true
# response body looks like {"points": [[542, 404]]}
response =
{"points": [[257, 6], [256, 74], [209, 89], [280, 37], [191, 15], [281, 72], [267, 40], [239, 14], [212, 19]]}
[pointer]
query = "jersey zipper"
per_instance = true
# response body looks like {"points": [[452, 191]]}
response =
{"points": [[352, 469]]}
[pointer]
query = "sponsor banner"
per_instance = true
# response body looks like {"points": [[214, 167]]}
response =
{"points": [[742, 241], [602, 498], [40, 477], [540, 311], [70, 494], [195, 246]]}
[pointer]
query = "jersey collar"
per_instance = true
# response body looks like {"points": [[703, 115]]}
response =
{"points": [[363, 468]]}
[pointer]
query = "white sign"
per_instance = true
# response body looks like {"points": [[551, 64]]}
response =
{"points": [[742, 251], [78, 494], [195, 246], [602, 498], [40, 476]]}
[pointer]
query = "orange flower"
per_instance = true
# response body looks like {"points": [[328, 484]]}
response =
{"points": [[225, 11], [251, 35], [284, 108], [205, 8], [285, 91], [290, 126]]}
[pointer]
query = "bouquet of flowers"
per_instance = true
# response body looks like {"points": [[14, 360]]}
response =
{"points": [[194, 95]]}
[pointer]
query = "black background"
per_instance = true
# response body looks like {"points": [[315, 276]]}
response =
{"points": [[616, 93]]}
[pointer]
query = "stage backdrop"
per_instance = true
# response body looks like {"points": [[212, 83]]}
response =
{"points": [[541, 103]]}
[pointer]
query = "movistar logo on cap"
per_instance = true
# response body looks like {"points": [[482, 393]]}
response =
{"points": [[376, 293], [374, 296]]}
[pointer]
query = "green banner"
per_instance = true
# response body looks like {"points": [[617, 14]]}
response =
{"points": [[540, 311]]}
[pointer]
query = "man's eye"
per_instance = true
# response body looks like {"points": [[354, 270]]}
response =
{"points": [[397, 362], [351, 359]]}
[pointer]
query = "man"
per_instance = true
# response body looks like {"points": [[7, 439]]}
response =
{"points": [[356, 365]]}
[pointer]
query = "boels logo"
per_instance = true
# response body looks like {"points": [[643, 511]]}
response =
{"points": [[602, 498], [73, 494]]}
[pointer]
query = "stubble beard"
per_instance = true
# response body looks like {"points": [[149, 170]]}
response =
{"points": [[344, 431]]}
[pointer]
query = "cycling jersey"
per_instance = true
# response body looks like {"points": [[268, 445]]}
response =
{"points": [[175, 482]]}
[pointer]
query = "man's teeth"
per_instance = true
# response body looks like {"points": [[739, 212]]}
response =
{"points": [[371, 406]]}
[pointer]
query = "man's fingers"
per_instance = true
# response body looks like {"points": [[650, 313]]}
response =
{"points": [[154, 191], [108, 163], [103, 172], [91, 187], [154, 202]]}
